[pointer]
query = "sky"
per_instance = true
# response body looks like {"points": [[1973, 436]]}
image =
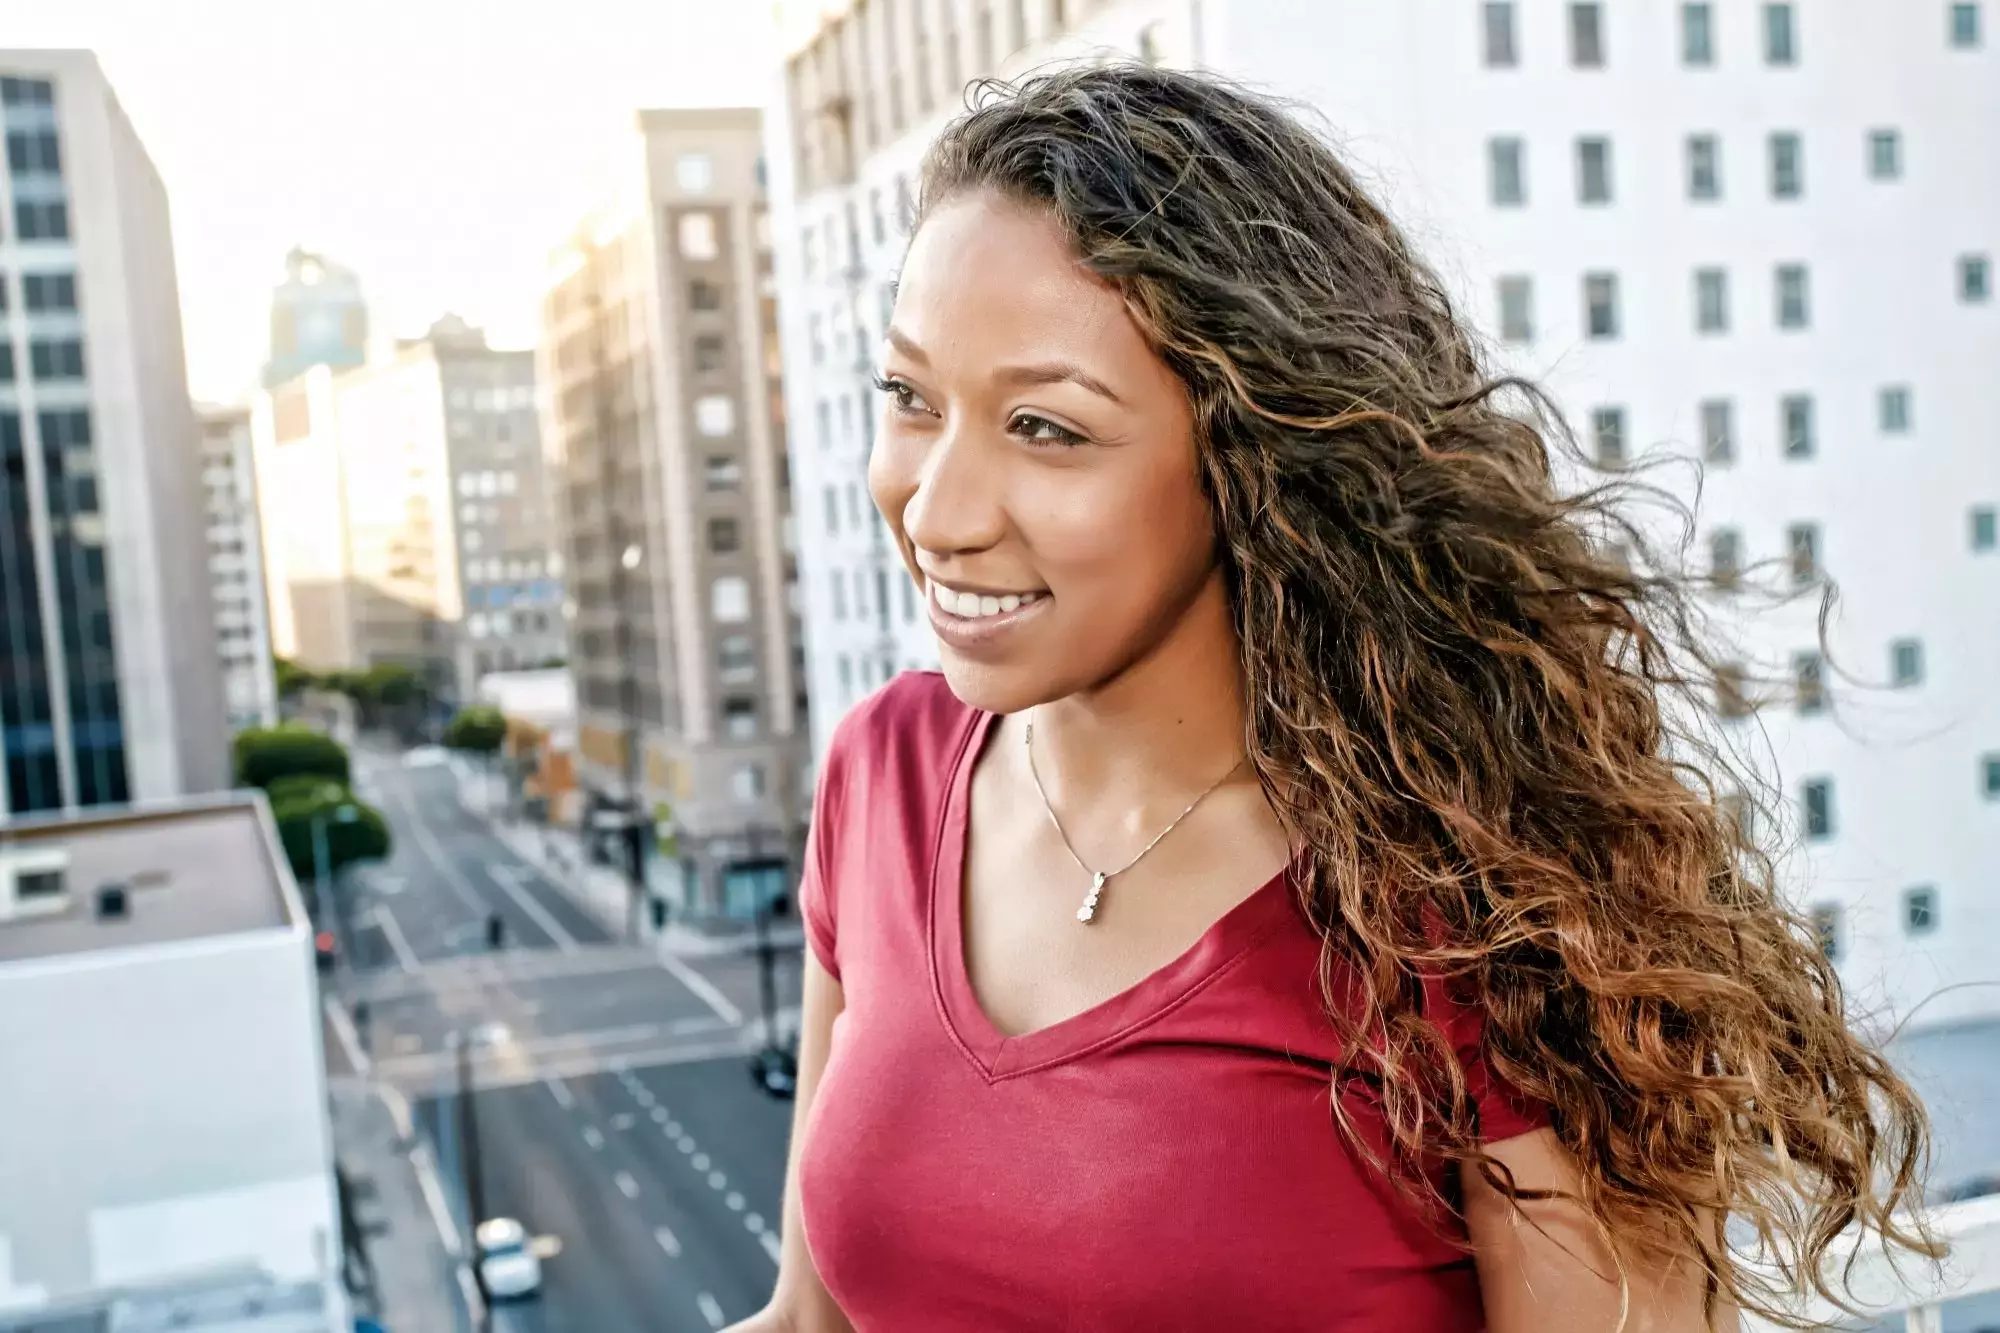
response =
{"points": [[440, 148]]}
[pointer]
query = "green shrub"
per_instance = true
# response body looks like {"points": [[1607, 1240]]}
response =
{"points": [[479, 729], [266, 754]]}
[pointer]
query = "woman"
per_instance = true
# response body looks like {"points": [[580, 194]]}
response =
{"points": [[1291, 908]]}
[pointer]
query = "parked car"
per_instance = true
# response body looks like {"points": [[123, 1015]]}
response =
{"points": [[506, 1261]]}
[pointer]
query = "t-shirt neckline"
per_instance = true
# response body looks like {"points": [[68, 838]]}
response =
{"points": [[999, 1056]]}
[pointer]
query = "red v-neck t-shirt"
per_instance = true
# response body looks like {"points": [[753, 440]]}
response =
{"points": [[1164, 1161]]}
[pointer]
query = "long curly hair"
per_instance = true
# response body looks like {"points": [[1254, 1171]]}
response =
{"points": [[1462, 691]]}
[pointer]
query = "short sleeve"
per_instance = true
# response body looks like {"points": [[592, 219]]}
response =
{"points": [[819, 899]]}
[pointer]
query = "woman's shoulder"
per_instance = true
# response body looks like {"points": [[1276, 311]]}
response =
{"points": [[912, 725]]}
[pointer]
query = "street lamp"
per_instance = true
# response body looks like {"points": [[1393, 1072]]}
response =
{"points": [[344, 813]]}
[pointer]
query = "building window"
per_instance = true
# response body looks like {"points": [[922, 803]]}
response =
{"points": [[1965, 27], [1794, 310], [1990, 780], [1795, 425], [1802, 553], [704, 295], [909, 588], [41, 220], [710, 353], [1725, 557], [739, 718], [1517, 309], [1607, 433], [1893, 410], [844, 666], [56, 358], [1600, 302], [1586, 36], [1500, 51], [1885, 154], [832, 510], [839, 594], [1718, 431], [735, 657], [1826, 930], [746, 784], [1697, 34], [1704, 163], [1819, 807], [1985, 528], [723, 472], [729, 599], [1787, 166], [697, 236], [878, 229], [715, 414], [1505, 159], [1906, 663], [1593, 171], [1732, 701], [1711, 300], [1781, 37], [694, 172], [1975, 279], [1149, 44], [1920, 910], [46, 291], [1809, 683], [725, 536]]}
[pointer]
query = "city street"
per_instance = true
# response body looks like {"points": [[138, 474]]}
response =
{"points": [[614, 1115]]}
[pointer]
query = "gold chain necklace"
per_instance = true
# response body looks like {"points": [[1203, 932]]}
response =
{"points": [[1098, 878]]}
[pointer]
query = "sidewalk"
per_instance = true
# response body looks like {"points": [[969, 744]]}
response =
{"points": [[417, 1280], [601, 891]]}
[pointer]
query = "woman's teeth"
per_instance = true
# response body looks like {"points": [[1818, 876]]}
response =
{"points": [[972, 606]]}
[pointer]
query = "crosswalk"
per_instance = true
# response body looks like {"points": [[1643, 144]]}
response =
{"points": [[504, 968]]}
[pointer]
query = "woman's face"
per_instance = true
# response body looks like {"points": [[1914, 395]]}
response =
{"points": [[1036, 461]]}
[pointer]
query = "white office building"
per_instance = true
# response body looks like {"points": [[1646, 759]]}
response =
{"points": [[107, 636], [236, 569], [1758, 235], [165, 1155]]}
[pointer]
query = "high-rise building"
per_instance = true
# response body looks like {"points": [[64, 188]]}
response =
{"points": [[1761, 237], [109, 689], [508, 540], [407, 514], [357, 525], [317, 319], [663, 407], [236, 569]]}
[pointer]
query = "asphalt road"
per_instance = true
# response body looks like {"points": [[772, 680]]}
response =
{"points": [[614, 1112]]}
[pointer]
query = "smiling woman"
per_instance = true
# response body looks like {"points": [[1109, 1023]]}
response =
{"points": [[1293, 907]]}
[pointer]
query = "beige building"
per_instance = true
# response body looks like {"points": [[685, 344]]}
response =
{"points": [[355, 497], [664, 416], [236, 568]]}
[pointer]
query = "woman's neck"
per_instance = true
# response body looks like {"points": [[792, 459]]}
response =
{"points": [[1165, 727]]}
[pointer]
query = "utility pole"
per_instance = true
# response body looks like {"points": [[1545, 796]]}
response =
{"points": [[474, 1177], [625, 555]]}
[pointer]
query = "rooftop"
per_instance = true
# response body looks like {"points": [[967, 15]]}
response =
{"points": [[192, 870]]}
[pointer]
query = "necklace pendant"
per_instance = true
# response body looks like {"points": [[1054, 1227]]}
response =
{"points": [[1089, 908]]}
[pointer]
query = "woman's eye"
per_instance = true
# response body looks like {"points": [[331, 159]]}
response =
{"points": [[905, 398], [1040, 430]]}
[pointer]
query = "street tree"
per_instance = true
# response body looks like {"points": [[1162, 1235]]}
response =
{"points": [[479, 729], [265, 754]]}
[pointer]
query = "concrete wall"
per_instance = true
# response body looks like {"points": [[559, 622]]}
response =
{"points": [[177, 1118]]}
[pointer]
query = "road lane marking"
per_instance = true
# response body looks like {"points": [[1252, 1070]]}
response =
{"points": [[686, 1144], [772, 1246], [659, 1115], [717, 1181], [623, 1120], [427, 1183], [699, 1161], [703, 988], [350, 1040], [429, 846], [399, 943], [668, 1242], [626, 1185], [709, 1310], [509, 884], [560, 1091], [734, 1203], [753, 1223], [593, 1138]]}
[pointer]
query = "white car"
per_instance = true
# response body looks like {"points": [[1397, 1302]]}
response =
{"points": [[506, 1260], [426, 756]]}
